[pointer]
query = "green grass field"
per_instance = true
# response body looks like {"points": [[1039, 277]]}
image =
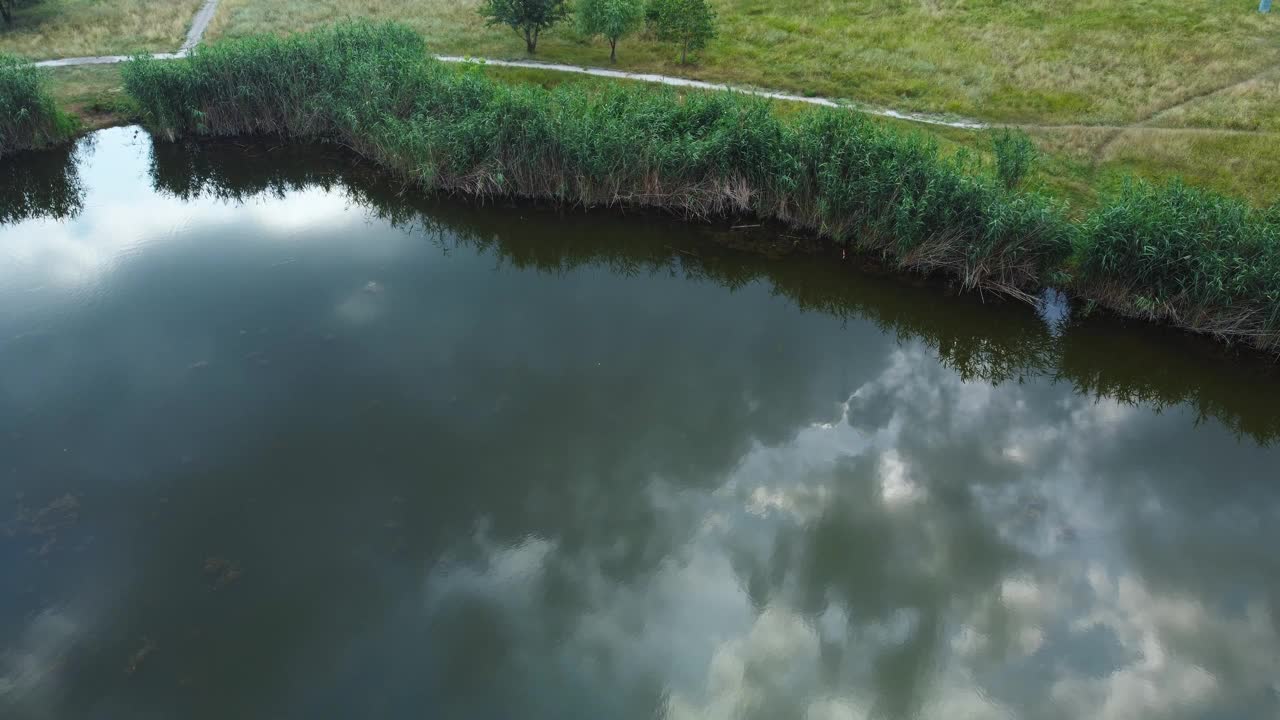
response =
{"points": [[1199, 80], [45, 29], [1024, 61]]}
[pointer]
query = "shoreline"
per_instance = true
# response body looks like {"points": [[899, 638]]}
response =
{"points": [[808, 245], [992, 340], [833, 174]]}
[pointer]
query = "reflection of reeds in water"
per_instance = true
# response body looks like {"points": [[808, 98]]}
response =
{"points": [[45, 184], [992, 342]]}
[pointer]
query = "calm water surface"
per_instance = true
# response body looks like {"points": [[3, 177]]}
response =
{"points": [[278, 443]]}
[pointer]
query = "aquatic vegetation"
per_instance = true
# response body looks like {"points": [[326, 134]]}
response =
{"points": [[29, 117], [1188, 257], [372, 88]]}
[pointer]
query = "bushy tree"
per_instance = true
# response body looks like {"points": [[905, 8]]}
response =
{"points": [[688, 23], [611, 19], [527, 17]]}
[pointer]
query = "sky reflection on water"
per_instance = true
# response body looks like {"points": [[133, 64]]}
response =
{"points": [[273, 455]]}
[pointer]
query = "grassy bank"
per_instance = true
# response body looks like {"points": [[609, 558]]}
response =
{"points": [[29, 117], [92, 94], [372, 88], [1194, 259], [1190, 74]]}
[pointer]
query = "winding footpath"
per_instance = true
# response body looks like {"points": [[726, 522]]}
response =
{"points": [[206, 12]]}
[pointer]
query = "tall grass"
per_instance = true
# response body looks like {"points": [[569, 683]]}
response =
{"points": [[1186, 256], [28, 116], [1194, 259]]}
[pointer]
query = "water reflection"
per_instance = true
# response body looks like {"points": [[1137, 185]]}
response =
{"points": [[45, 184], [1101, 356], [294, 446]]}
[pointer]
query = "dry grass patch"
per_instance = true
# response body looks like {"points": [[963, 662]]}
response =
{"points": [[1251, 105], [45, 29]]}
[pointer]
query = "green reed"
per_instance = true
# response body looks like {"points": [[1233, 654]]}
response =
{"points": [[28, 116], [1186, 256]]}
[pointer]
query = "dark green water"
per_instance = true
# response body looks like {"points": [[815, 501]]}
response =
{"points": [[278, 443]]}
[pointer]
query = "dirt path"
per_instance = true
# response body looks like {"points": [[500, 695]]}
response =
{"points": [[1145, 124], [199, 24]]}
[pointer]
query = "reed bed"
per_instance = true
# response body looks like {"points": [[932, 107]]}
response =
{"points": [[29, 118], [1166, 253]]}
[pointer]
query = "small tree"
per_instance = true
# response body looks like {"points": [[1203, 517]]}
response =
{"points": [[689, 23], [6, 11], [527, 17], [610, 19]]}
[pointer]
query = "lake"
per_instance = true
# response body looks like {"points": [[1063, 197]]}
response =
{"points": [[280, 439]]}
